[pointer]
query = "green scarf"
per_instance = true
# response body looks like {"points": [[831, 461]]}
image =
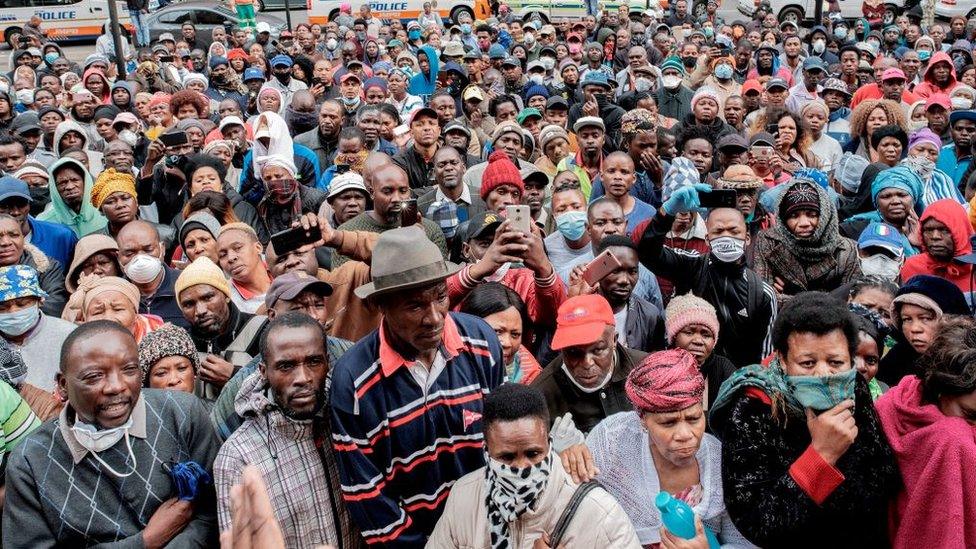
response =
{"points": [[83, 223], [771, 380]]}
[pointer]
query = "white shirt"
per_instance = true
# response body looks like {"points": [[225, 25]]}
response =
{"points": [[621, 326], [828, 151], [424, 376], [465, 197]]}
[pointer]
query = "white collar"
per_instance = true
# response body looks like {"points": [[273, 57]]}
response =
{"points": [[465, 195]]}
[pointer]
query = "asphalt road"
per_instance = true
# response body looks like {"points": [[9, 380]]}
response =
{"points": [[78, 51]]}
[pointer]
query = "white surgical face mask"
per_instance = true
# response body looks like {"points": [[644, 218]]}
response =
{"points": [[95, 441], [958, 103], [129, 137], [25, 96], [143, 268], [671, 81], [548, 62], [331, 44], [881, 266], [727, 249], [642, 85], [819, 46], [536, 79]]}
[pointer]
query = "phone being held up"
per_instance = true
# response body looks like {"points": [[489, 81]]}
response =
{"points": [[601, 266]]}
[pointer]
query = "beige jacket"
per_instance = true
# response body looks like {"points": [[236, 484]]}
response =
{"points": [[599, 521]]}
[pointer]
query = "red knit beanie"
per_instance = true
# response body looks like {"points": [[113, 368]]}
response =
{"points": [[500, 171]]}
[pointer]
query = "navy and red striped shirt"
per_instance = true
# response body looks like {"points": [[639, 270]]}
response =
{"points": [[401, 448]]}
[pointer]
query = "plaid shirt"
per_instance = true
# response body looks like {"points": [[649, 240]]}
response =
{"points": [[304, 494]]}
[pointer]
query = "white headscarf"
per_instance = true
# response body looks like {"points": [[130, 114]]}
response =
{"points": [[279, 152]]}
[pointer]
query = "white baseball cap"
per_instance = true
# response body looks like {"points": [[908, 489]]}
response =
{"points": [[345, 181], [230, 121]]}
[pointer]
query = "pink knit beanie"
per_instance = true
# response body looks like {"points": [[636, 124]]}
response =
{"points": [[687, 309]]}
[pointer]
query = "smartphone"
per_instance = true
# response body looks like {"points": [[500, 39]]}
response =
{"points": [[600, 267], [289, 240], [764, 153], [408, 212], [717, 198], [520, 218]]}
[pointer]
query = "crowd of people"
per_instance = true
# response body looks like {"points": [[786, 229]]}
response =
{"points": [[495, 283]]}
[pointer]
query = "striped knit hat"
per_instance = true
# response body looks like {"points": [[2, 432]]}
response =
{"points": [[684, 310]]}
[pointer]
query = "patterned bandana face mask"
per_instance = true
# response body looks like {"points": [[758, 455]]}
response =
{"points": [[511, 492], [820, 393]]}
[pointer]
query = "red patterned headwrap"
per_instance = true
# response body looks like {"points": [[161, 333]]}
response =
{"points": [[666, 381]]}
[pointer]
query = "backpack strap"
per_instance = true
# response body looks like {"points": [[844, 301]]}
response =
{"points": [[570, 511], [236, 353]]}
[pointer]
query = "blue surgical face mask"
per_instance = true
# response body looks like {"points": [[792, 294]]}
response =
{"points": [[723, 71], [924, 55], [466, 28], [414, 35], [50, 57], [18, 322], [571, 225], [840, 33], [821, 393]]}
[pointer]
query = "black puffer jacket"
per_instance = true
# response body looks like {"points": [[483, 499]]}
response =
{"points": [[50, 275]]}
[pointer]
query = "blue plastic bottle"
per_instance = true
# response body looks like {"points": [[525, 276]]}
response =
{"points": [[679, 518]]}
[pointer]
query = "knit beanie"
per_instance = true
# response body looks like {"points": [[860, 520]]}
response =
{"points": [[165, 341], [112, 181], [684, 310], [705, 93], [673, 63], [924, 135], [550, 133], [199, 220], [802, 195], [500, 171], [202, 271]]}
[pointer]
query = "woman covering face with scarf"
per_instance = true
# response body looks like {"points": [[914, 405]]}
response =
{"points": [[804, 460], [519, 496]]}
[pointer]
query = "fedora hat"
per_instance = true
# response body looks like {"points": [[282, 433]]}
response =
{"points": [[404, 258]]}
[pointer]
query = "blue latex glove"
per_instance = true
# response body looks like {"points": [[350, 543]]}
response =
{"points": [[685, 199]]}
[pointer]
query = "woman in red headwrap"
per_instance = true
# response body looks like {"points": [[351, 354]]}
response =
{"points": [[662, 447]]}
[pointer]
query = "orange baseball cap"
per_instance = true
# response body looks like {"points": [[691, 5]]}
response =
{"points": [[581, 320], [751, 85]]}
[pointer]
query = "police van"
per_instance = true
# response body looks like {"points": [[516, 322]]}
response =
{"points": [[323, 11], [551, 11], [61, 20]]}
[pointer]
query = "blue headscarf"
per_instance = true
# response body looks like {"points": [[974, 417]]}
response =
{"points": [[898, 177]]}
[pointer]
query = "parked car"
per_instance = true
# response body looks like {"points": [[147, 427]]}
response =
{"points": [[206, 16], [798, 11], [948, 9]]}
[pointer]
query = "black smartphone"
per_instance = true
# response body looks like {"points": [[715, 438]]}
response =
{"points": [[717, 198], [408, 212], [289, 240]]}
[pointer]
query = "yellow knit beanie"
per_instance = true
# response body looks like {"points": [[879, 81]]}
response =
{"points": [[111, 181], [202, 271]]}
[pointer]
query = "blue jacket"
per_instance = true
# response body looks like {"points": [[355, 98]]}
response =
{"points": [[56, 241], [308, 173]]}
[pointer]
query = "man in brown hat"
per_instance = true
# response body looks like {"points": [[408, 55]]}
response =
{"points": [[406, 400]]}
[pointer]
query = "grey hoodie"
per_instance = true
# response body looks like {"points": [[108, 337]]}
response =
{"points": [[94, 157]]}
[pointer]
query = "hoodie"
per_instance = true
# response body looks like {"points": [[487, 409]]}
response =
{"points": [[85, 222], [423, 84], [928, 87], [953, 216], [129, 87], [106, 89], [94, 157]]}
